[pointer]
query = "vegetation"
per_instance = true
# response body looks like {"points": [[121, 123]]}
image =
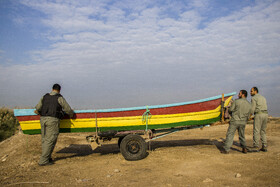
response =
{"points": [[8, 123]]}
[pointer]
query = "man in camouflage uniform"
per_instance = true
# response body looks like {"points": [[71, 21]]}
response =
{"points": [[240, 111], [51, 107], [259, 109]]}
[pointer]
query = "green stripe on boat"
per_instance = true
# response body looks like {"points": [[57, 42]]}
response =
{"points": [[128, 128]]}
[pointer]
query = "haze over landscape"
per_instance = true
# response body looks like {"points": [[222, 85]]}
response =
{"points": [[115, 54]]}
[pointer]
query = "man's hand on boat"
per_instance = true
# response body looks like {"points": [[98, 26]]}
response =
{"points": [[72, 116], [251, 118], [229, 104]]}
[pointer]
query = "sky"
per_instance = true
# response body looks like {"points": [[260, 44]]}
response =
{"points": [[127, 53]]}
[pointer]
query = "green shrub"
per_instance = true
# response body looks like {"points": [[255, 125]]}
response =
{"points": [[8, 123]]}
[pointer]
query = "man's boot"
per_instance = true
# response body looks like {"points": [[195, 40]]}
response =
{"points": [[264, 148], [224, 151], [244, 150]]}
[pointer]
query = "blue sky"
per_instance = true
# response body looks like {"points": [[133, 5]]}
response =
{"points": [[109, 54]]}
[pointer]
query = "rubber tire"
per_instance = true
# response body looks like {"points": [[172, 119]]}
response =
{"points": [[133, 147]]}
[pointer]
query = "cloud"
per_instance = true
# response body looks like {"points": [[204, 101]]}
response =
{"points": [[113, 52]]}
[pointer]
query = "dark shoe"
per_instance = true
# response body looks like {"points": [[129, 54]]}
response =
{"points": [[47, 164], [264, 149], [224, 152], [244, 150]]}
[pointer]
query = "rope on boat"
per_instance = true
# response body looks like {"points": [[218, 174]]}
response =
{"points": [[146, 116]]}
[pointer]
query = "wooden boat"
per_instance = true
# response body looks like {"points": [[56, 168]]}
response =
{"points": [[199, 112]]}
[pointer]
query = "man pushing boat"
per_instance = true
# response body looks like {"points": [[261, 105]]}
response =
{"points": [[240, 111], [51, 107]]}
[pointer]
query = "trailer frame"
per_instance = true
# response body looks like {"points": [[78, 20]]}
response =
{"points": [[134, 144]]}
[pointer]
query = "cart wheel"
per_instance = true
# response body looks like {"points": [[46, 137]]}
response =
{"points": [[120, 140], [133, 147]]}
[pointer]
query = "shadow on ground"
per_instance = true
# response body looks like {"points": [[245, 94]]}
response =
{"points": [[78, 150]]}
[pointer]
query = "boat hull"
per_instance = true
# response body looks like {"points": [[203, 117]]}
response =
{"points": [[200, 112]]}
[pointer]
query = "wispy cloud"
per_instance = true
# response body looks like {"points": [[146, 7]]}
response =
{"points": [[150, 51]]}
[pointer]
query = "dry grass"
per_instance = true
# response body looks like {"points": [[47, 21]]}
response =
{"points": [[8, 123]]}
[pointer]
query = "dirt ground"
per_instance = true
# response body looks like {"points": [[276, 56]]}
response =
{"points": [[186, 158]]}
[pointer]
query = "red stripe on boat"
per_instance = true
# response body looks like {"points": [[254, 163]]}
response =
{"points": [[196, 107]]}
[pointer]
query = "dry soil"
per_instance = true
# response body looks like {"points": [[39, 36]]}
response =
{"points": [[186, 158]]}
